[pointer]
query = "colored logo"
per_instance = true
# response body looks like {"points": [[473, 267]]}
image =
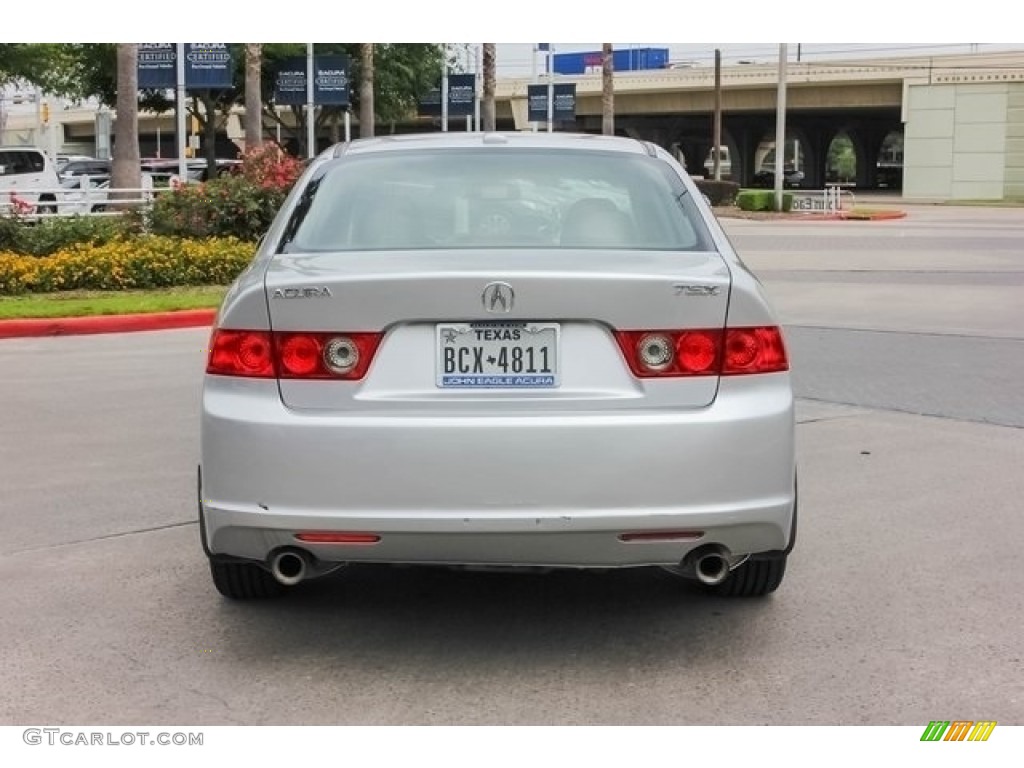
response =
{"points": [[958, 730]]}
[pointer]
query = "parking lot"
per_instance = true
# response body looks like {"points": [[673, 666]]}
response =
{"points": [[902, 604]]}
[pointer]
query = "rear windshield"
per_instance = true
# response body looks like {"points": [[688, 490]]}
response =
{"points": [[500, 198]]}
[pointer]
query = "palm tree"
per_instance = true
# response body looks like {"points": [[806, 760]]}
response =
{"points": [[253, 98], [125, 172], [490, 69], [366, 113], [607, 91]]}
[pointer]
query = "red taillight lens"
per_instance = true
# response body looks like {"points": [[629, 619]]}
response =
{"points": [[754, 350], [241, 353], [703, 352], [697, 351], [292, 355], [300, 355]]}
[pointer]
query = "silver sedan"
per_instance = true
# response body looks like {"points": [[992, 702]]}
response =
{"points": [[497, 351]]}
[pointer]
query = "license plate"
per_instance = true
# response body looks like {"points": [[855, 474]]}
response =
{"points": [[497, 355]]}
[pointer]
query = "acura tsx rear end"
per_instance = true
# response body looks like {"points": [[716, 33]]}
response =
{"points": [[497, 350]]}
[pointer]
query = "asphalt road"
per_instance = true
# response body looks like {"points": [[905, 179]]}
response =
{"points": [[903, 602]]}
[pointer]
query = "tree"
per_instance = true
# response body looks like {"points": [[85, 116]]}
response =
{"points": [[124, 171], [253, 96], [490, 68], [367, 117], [607, 91]]}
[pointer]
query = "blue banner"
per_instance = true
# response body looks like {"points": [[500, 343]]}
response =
{"points": [[290, 83], [565, 102], [331, 80], [156, 67], [461, 95], [208, 65], [537, 103], [430, 104]]}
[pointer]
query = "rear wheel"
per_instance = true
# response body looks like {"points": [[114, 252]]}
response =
{"points": [[47, 204], [755, 578], [244, 581]]}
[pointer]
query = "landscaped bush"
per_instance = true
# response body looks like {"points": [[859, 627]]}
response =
{"points": [[241, 205], [46, 236], [762, 200], [148, 261], [718, 192]]}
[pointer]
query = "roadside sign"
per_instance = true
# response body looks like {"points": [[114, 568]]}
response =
{"points": [[330, 80], [156, 64], [207, 65], [461, 94]]}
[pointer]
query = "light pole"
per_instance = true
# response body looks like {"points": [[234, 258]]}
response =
{"points": [[780, 128]]}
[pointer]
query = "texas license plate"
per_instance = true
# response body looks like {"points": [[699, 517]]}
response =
{"points": [[497, 355]]}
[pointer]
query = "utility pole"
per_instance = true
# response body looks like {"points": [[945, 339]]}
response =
{"points": [[717, 138], [780, 128], [310, 108]]}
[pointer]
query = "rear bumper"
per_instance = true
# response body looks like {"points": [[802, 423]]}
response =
{"points": [[547, 489]]}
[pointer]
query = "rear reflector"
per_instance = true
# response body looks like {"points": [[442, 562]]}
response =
{"points": [[332, 537], [703, 352], [654, 536], [291, 355]]}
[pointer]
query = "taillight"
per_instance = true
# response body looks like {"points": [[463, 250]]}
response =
{"points": [[754, 350], [241, 353], [291, 355], [703, 352]]}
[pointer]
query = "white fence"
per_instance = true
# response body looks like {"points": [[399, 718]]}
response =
{"points": [[87, 198]]}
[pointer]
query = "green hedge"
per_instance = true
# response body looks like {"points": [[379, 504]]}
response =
{"points": [[762, 200], [147, 261], [718, 192], [46, 236]]}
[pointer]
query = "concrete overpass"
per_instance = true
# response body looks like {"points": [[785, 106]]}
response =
{"points": [[865, 99]]}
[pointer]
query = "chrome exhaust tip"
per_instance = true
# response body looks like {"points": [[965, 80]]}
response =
{"points": [[709, 564], [289, 567], [712, 568]]}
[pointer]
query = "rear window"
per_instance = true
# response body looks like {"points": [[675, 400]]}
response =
{"points": [[500, 198]]}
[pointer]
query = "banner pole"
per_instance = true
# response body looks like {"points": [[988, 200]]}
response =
{"points": [[180, 99]]}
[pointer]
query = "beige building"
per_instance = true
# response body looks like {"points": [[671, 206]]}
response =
{"points": [[963, 141]]}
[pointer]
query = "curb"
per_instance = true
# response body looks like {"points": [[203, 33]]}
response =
{"points": [[81, 326]]}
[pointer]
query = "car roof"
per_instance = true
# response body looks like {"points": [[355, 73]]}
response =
{"points": [[471, 140]]}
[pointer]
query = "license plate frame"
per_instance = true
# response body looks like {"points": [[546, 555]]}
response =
{"points": [[483, 364]]}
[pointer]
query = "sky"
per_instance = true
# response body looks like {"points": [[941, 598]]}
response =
{"points": [[745, 22]]}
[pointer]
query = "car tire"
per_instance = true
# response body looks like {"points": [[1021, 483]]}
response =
{"points": [[754, 578], [244, 581]]}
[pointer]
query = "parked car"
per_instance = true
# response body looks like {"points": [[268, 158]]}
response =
{"points": [[498, 350], [86, 168], [63, 160], [790, 177], [28, 181]]}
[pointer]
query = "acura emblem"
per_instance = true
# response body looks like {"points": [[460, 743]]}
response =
{"points": [[498, 297]]}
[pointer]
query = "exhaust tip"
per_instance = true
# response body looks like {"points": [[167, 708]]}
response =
{"points": [[709, 564], [289, 567], [712, 569]]}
